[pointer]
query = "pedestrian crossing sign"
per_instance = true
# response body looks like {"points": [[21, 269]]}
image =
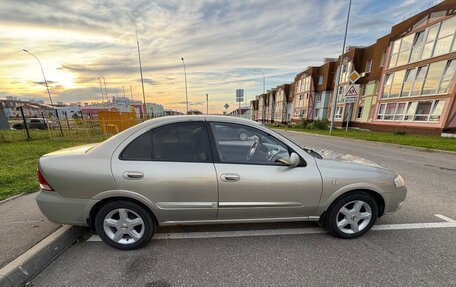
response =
{"points": [[352, 91]]}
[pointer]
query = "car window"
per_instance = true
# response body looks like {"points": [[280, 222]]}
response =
{"points": [[186, 142], [181, 142], [243, 144], [139, 149]]}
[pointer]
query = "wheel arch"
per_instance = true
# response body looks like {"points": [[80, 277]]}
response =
{"points": [[94, 210], [377, 196]]}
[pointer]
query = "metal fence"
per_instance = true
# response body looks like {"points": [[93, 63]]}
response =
{"points": [[102, 125]]}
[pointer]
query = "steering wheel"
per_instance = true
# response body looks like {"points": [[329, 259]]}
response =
{"points": [[252, 148]]}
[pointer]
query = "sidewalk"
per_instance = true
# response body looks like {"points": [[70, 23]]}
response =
{"points": [[22, 226]]}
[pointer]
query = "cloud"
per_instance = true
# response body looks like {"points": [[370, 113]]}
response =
{"points": [[222, 43], [149, 81]]}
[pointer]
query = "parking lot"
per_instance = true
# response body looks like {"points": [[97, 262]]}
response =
{"points": [[413, 247]]}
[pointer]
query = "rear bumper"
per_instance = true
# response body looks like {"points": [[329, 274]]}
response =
{"points": [[56, 208], [395, 199]]}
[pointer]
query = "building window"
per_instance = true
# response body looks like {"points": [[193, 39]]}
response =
{"points": [[422, 81], [418, 44], [387, 85], [368, 66], [448, 75], [360, 112], [411, 108], [340, 94], [422, 111], [399, 114], [338, 114], [320, 80], [428, 111], [418, 84], [408, 82], [397, 84], [445, 38], [431, 42], [382, 59], [432, 79]]}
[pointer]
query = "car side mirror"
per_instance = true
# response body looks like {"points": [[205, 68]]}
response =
{"points": [[292, 161]]}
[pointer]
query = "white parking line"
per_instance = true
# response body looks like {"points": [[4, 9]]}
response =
{"points": [[447, 219], [291, 231]]}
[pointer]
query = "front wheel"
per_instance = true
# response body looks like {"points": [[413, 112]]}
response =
{"points": [[352, 215], [124, 225]]}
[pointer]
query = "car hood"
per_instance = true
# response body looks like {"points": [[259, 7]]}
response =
{"points": [[348, 158]]}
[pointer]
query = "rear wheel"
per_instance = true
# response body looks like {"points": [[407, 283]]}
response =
{"points": [[124, 225], [352, 215]]}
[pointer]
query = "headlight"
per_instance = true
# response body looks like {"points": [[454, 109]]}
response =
{"points": [[399, 181]]}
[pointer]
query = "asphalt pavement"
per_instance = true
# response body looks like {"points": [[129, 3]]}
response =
{"points": [[413, 247], [22, 226]]}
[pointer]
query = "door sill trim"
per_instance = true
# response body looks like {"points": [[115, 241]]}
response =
{"points": [[249, 220]]}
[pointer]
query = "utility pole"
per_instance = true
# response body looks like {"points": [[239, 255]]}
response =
{"points": [[185, 75], [207, 104], [142, 79], [101, 90], [47, 88], [336, 90], [106, 91], [131, 93]]}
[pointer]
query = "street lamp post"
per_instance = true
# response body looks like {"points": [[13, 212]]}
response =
{"points": [[336, 90], [47, 88], [185, 75], [264, 80], [142, 79]]}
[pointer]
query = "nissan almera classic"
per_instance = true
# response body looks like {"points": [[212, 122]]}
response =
{"points": [[210, 169]]}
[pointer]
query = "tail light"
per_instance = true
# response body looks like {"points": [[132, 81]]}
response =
{"points": [[44, 185]]}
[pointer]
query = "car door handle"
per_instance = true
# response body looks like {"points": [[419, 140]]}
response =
{"points": [[230, 177], [133, 175]]}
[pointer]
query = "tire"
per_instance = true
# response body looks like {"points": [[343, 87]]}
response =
{"points": [[358, 205], [131, 230]]}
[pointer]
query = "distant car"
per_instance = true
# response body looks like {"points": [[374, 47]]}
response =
{"points": [[32, 123], [200, 170]]}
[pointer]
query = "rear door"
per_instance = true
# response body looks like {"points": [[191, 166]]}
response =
{"points": [[254, 186], [172, 166]]}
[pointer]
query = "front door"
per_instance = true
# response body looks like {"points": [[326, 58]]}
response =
{"points": [[252, 184], [172, 166]]}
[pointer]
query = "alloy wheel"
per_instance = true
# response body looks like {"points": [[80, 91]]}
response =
{"points": [[353, 217], [123, 226]]}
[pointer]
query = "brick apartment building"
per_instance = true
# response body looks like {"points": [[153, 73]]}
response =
{"points": [[406, 80], [418, 91]]}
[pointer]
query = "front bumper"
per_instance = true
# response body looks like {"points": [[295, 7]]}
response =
{"points": [[58, 209], [395, 199]]}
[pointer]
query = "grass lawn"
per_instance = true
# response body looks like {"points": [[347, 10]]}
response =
{"points": [[431, 142], [19, 160]]}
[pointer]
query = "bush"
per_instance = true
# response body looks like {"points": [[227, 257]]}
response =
{"points": [[399, 133], [320, 124], [303, 123]]}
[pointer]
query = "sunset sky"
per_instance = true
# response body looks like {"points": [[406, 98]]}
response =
{"points": [[223, 42]]}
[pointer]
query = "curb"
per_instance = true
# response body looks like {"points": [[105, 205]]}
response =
{"points": [[12, 197], [423, 149], [28, 265]]}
